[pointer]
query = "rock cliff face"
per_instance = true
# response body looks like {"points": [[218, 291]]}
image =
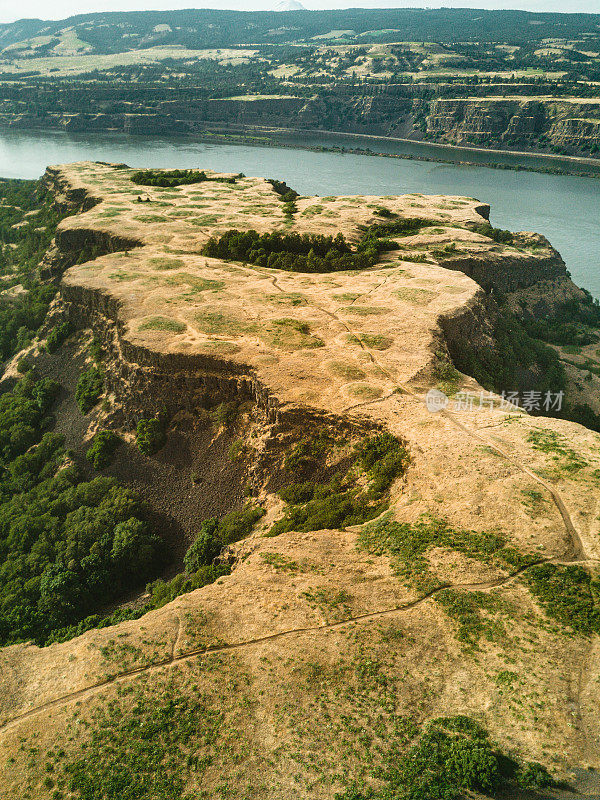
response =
{"points": [[331, 636], [558, 122], [539, 123]]}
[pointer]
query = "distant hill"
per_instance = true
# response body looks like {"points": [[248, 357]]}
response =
{"points": [[121, 32]]}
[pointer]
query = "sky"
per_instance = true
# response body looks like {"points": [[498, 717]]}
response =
{"points": [[59, 9]]}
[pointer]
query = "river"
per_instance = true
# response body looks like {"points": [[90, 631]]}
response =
{"points": [[564, 208]]}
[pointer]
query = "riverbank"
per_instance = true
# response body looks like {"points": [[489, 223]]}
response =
{"points": [[397, 147], [269, 137]]}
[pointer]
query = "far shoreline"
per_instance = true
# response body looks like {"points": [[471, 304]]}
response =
{"points": [[268, 137], [253, 136]]}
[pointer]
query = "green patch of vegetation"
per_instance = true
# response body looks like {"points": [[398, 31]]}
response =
{"points": [[573, 324], [287, 298], [215, 534], [166, 263], [415, 258], [383, 458], [471, 611], [163, 592], [346, 297], [334, 603], [553, 443], [148, 218], [568, 594], [199, 561], [221, 323], [283, 190], [236, 450], [205, 220], [348, 372], [102, 449], [448, 758], [374, 341], [89, 388], [448, 378], [195, 283], [365, 311], [291, 334], [156, 734], [150, 436], [338, 502], [534, 776], [365, 391], [496, 234], [515, 363], [415, 295], [408, 544], [280, 563], [534, 500], [163, 324], [293, 252], [305, 252], [23, 365], [445, 250], [398, 227], [173, 177], [22, 247], [451, 756], [312, 211], [58, 335]]}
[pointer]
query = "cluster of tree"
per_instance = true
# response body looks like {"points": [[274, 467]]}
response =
{"points": [[576, 322], [67, 546], [27, 225], [293, 252], [517, 362], [173, 177]]}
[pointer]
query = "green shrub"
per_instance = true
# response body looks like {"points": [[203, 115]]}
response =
{"points": [[150, 436], [216, 533], [163, 592], [57, 336], [384, 458], [569, 594], [89, 388], [497, 234], [66, 546], [446, 761], [517, 362], [308, 453], [24, 365], [205, 548], [330, 506], [133, 548], [21, 315], [283, 190], [102, 449], [534, 776]]}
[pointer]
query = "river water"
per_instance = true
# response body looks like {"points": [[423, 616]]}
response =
{"points": [[566, 209]]}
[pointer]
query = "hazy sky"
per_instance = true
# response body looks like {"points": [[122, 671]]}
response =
{"points": [[42, 9]]}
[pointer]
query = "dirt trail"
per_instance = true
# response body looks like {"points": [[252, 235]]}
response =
{"points": [[173, 659]]}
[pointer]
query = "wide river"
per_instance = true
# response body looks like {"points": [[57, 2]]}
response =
{"points": [[566, 209]]}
